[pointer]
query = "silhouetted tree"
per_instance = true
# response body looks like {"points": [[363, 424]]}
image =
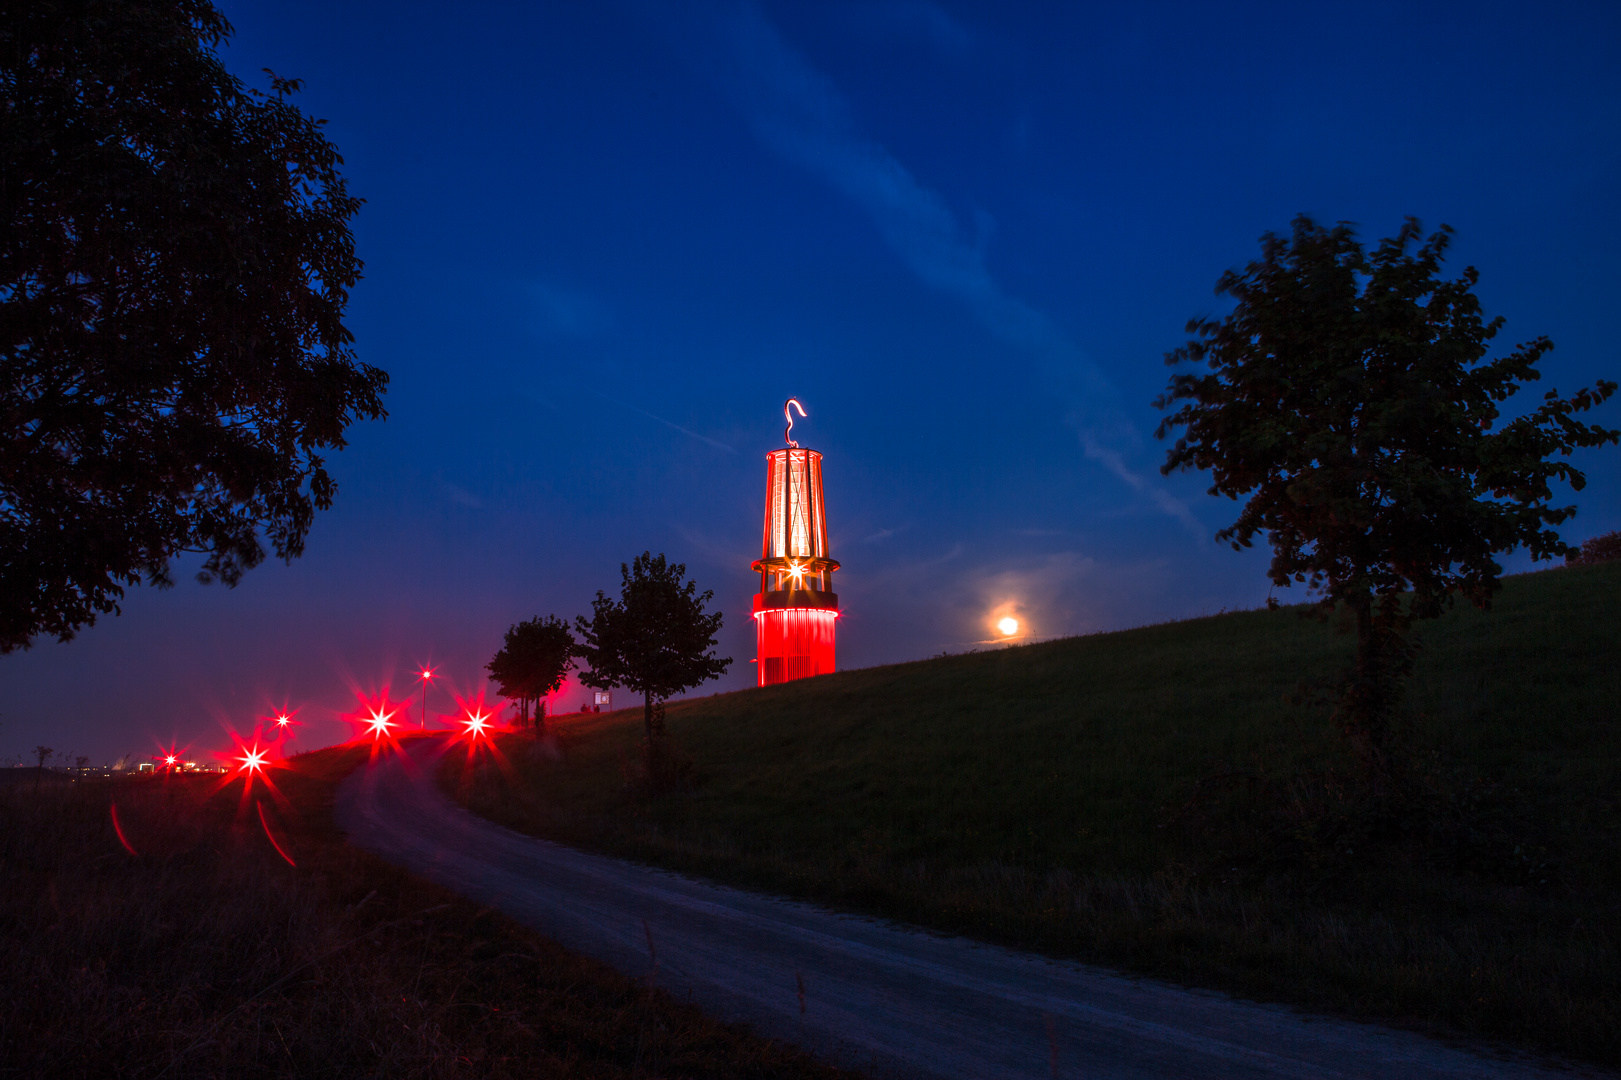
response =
{"points": [[1348, 395], [655, 639], [175, 260], [1603, 548], [533, 660]]}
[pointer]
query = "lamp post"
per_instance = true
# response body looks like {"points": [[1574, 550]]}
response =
{"points": [[795, 610], [427, 679]]}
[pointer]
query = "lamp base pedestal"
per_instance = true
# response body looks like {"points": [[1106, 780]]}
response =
{"points": [[794, 634]]}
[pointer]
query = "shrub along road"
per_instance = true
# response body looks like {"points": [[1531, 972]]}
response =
{"points": [[856, 990]]}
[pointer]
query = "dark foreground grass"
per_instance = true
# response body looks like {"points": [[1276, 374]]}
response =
{"points": [[208, 955], [1155, 801]]}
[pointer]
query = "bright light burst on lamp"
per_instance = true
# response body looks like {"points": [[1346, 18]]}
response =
{"points": [[476, 723], [253, 761], [378, 723]]}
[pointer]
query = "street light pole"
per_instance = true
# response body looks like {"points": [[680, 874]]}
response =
{"points": [[427, 679]]}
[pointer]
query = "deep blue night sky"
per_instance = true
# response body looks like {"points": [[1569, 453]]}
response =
{"points": [[603, 242]]}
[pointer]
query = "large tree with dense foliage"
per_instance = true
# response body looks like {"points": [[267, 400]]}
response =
{"points": [[1348, 395], [534, 659], [175, 260], [656, 639]]}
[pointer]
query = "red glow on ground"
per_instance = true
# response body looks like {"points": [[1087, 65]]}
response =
{"points": [[119, 829]]}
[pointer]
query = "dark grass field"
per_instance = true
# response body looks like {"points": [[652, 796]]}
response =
{"points": [[207, 955], [1156, 800]]}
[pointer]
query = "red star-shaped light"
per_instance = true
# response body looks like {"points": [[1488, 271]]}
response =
{"points": [[378, 723], [253, 761]]}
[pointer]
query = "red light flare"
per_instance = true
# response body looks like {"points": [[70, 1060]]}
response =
{"points": [[283, 721], [119, 829], [170, 759], [268, 836], [250, 761], [375, 721], [474, 722]]}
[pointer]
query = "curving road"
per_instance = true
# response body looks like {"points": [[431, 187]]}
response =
{"points": [[858, 991]]}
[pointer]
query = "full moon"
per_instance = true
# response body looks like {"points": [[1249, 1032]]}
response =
{"points": [[1009, 626]]}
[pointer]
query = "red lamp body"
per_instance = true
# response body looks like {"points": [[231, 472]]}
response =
{"points": [[795, 609]]}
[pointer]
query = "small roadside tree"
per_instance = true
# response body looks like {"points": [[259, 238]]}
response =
{"points": [[1599, 549], [534, 659], [1348, 395], [655, 639]]}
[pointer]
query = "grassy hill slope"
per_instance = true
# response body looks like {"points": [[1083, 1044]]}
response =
{"points": [[208, 955], [1152, 799]]}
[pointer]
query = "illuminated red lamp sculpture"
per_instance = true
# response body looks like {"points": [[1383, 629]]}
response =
{"points": [[794, 610]]}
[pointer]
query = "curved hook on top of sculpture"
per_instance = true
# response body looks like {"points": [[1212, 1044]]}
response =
{"points": [[788, 432]]}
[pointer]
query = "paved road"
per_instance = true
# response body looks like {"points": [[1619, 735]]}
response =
{"points": [[890, 1000]]}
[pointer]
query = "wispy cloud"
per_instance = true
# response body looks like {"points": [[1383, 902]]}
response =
{"points": [[669, 424], [570, 312], [916, 20], [456, 494], [1170, 504], [798, 113]]}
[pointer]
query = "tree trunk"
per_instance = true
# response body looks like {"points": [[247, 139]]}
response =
{"points": [[647, 715], [1359, 697], [1368, 699], [1364, 637]]}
